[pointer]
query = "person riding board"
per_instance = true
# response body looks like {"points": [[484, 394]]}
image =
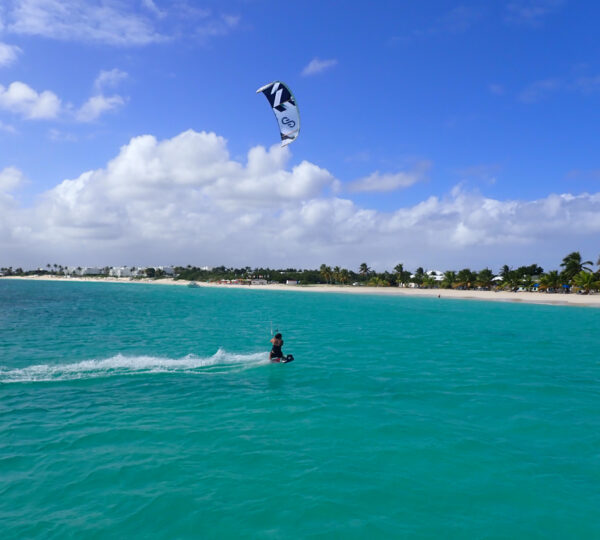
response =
{"points": [[276, 354]]}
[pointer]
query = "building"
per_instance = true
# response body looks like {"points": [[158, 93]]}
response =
{"points": [[121, 271]]}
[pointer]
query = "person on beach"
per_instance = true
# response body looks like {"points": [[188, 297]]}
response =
{"points": [[276, 354]]}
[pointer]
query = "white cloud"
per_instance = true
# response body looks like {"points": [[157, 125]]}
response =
{"points": [[22, 99], [185, 200], [10, 178], [82, 20], [109, 79], [8, 54], [317, 65], [391, 181], [97, 105]]}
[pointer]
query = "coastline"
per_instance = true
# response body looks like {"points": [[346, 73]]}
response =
{"points": [[556, 299]]}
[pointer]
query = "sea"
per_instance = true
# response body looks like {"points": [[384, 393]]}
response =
{"points": [[146, 411]]}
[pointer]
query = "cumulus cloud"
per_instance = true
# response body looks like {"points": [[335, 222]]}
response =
{"points": [[185, 200], [8, 54], [22, 99], [97, 105], [10, 178], [316, 65], [391, 181]]}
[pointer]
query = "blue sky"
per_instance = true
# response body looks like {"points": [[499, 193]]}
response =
{"points": [[442, 134]]}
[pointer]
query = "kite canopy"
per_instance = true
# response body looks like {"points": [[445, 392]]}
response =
{"points": [[284, 107]]}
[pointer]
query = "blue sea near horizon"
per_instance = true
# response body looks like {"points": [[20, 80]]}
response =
{"points": [[143, 411]]}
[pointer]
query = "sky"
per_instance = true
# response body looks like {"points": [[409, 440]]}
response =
{"points": [[436, 134]]}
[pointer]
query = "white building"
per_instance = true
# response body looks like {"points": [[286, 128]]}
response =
{"points": [[168, 270], [435, 274], [91, 271], [121, 271]]}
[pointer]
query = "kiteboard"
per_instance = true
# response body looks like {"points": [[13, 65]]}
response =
{"points": [[284, 360]]}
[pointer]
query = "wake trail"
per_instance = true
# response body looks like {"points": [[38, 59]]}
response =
{"points": [[132, 365]]}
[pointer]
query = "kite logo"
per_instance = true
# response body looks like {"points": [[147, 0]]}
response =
{"points": [[288, 122]]}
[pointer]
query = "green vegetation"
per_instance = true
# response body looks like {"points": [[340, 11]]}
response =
{"points": [[576, 274]]}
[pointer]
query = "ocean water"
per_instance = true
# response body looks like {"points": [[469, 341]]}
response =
{"points": [[141, 411]]}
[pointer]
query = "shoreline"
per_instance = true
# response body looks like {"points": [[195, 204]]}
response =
{"points": [[556, 299]]}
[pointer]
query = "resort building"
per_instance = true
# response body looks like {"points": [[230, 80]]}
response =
{"points": [[435, 274], [168, 270], [122, 271]]}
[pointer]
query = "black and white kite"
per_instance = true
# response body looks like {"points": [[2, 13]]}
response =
{"points": [[284, 106]]}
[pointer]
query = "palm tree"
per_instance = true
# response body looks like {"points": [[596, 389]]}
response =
{"points": [[465, 278], [484, 278], [429, 282], [449, 279], [527, 282], [402, 276], [377, 281], [418, 276], [572, 265], [512, 280], [325, 273], [364, 270], [551, 280], [586, 281], [336, 274], [344, 276]]}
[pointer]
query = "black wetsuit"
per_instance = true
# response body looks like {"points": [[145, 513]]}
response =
{"points": [[276, 351]]}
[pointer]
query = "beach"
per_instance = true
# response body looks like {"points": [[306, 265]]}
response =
{"points": [[558, 299]]}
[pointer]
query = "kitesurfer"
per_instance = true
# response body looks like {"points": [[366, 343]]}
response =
{"points": [[276, 354]]}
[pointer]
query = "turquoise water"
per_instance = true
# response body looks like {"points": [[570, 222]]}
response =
{"points": [[141, 411]]}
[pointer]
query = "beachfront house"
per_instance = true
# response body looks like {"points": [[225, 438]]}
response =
{"points": [[83, 271], [258, 282], [91, 271], [436, 275], [121, 271]]}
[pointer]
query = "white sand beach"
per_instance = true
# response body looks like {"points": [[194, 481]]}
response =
{"points": [[591, 300]]}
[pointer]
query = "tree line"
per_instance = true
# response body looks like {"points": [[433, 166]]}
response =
{"points": [[573, 272]]}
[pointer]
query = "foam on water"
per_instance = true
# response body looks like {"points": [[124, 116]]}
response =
{"points": [[130, 365]]}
